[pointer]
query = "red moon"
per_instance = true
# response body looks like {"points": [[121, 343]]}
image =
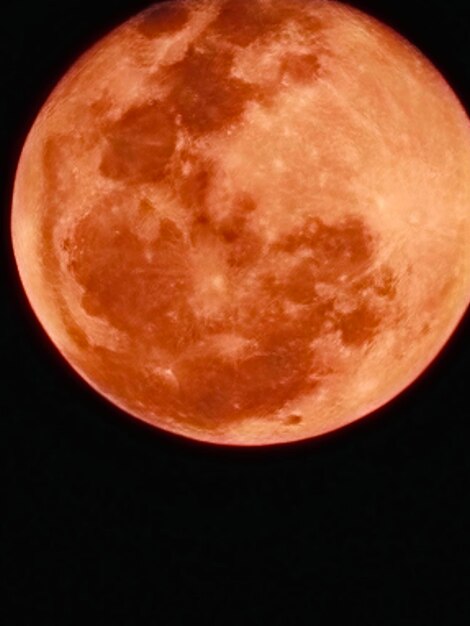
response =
{"points": [[247, 221]]}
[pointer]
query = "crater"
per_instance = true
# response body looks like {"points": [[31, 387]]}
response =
{"points": [[293, 420]]}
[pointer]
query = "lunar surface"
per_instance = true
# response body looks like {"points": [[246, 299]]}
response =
{"points": [[247, 221]]}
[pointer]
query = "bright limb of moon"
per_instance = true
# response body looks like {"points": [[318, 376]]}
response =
{"points": [[247, 222]]}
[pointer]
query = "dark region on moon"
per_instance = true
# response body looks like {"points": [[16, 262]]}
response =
{"points": [[135, 151], [146, 288], [166, 17]]}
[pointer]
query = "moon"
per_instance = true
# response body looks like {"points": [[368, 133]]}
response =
{"points": [[246, 222]]}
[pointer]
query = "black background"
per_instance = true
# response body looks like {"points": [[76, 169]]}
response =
{"points": [[108, 521]]}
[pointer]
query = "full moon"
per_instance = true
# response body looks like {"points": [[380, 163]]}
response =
{"points": [[247, 221]]}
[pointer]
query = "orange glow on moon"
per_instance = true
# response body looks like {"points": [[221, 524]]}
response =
{"points": [[247, 221]]}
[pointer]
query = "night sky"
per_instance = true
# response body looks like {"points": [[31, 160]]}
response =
{"points": [[109, 521]]}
